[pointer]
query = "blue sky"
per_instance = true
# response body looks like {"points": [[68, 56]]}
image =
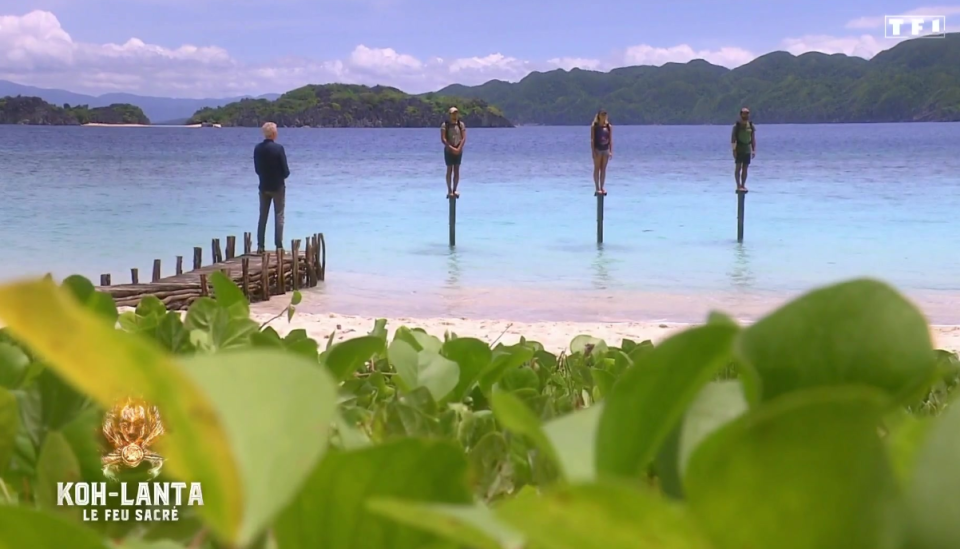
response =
{"points": [[196, 48]]}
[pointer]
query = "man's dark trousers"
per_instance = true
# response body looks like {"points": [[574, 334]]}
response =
{"points": [[278, 198]]}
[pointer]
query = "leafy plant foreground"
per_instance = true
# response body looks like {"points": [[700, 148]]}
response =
{"points": [[826, 424]]}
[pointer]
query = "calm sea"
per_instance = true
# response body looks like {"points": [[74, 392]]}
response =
{"points": [[827, 202]]}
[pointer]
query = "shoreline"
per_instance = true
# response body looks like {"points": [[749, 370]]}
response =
{"points": [[554, 336], [98, 125]]}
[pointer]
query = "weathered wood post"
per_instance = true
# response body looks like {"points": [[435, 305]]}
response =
{"points": [[231, 247], [105, 280], [247, 243], [599, 218], [179, 264], [156, 271], [197, 257], [741, 202], [135, 276], [453, 221]]}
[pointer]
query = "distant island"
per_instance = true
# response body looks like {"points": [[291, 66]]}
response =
{"points": [[33, 111], [916, 80], [352, 106]]}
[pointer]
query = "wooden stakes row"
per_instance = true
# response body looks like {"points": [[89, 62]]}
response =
{"points": [[278, 272]]}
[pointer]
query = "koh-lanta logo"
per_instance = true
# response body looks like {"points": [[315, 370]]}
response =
{"points": [[131, 427]]}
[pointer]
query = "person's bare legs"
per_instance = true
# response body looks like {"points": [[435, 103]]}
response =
{"points": [[449, 184], [456, 179], [604, 159], [743, 177], [596, 172], [736, 174]]}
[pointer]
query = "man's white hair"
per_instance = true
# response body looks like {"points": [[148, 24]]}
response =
{"points": [[269, 129]]}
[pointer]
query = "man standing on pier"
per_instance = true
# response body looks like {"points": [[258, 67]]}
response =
{"points": [[744, 143], [270, 162], [453, 134]]}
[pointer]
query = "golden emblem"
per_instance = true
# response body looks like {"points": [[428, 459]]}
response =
{"points": [[131, 427]]}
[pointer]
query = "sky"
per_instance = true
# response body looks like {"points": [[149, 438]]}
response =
{"points": [[224, 48]]}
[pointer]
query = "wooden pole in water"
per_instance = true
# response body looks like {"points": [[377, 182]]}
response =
{"points": [[105, 280], [453, 221], [741, 202], [599, 218]]}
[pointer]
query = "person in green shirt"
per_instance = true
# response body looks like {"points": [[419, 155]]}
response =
{"points": [[743, 140]]}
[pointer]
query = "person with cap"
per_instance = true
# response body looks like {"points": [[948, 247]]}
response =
{"points": [[601, 144], [453, 134], [743, 140]]}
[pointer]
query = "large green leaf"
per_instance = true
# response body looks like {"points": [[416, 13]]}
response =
{"points": [[652, 396], [346, 357], [277, 409], [57, 463], [934, 493], [806, 471], [472, 355], [601, 516], [23, 528], [515, 416], [573, 436], [469, 526], [861, 332], [717, 404], [331, 510], [425, 368], [13, 365], [9, 426], [109, 365]]}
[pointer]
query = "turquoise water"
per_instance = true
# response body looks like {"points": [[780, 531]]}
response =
{"points": [[826, 203]]}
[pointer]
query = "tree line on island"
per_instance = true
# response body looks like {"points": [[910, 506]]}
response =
{"points": [[916, 80], [34, 111]]}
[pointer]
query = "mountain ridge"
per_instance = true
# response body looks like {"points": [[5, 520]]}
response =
{"points": [[916, 80]]}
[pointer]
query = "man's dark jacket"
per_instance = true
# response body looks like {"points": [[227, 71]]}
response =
{"points": [[270, 161]]}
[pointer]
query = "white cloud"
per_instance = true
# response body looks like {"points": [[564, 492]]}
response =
{"points": [[865, 46], [36, 50], [649, 55], [876, 22]]}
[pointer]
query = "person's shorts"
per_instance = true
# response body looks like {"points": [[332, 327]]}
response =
{"points": [[452, 159], [602, 152], [743, 158]]}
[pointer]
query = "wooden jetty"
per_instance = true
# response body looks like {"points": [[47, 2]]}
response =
{"points": [[260, 276]]}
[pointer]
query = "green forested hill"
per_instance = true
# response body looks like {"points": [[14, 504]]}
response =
{"points": [[917, 80], [37, 112], [348, 105]]}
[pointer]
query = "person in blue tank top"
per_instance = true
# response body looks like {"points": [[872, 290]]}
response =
{"points": [[601, 145]]}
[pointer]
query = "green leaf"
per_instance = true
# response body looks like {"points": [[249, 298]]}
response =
{"points": [[229, 296], [472, 355], [9, 426], [23, 527], [504, 358], [586, 345], [806, 471], [933, 493], [290, 429], [424, 369], [601, 516], [573, 436], [468, 526], [57, 463], [85, 293], [717, 404], [651, 397], [13, 366], [297, 297], [346, 357], [331, 510], [514, 415], [151, 306], [859, 333]]}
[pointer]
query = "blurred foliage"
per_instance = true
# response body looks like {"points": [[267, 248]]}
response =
{"points": [[827, 424]]}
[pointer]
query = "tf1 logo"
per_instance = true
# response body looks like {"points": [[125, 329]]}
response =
{"points": [[914, 26]]}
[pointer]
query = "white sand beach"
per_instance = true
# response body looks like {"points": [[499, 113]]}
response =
{"points": [[555, 336]]}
